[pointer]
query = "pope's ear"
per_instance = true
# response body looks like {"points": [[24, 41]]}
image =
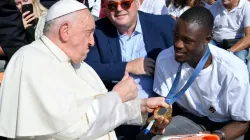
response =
{"points": [[64, 32]]}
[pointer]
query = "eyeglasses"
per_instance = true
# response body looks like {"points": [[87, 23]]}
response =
{"points": [[125, 4]]}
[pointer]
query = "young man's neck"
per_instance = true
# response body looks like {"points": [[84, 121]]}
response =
{"points": [[194, 62], [208, 63]]}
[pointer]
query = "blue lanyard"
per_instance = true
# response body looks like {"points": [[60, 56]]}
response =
{"points": [[172, 97]]}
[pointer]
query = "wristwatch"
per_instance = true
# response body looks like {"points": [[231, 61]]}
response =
{"points": [[221, 133]]}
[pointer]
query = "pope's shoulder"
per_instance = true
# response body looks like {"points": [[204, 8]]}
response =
{"points": [[34, 51]]}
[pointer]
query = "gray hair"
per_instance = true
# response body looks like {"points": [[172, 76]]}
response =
{"points": [[53, 25], [48, 25]]}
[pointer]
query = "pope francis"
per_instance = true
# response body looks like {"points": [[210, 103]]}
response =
{"points": [[49, 93]]}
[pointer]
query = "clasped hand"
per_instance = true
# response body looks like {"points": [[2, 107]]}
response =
{"points": [[27, 19], [141, 66], [148, 106], [127, 90]]}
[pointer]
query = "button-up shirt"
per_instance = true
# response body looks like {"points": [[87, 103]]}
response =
{"points": [[133, 47]]}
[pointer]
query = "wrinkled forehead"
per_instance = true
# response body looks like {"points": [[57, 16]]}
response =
{"points": [[90, 23], [86, 19]]}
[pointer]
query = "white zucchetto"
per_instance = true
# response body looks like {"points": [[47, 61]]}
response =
{"points": [[64, 7]]}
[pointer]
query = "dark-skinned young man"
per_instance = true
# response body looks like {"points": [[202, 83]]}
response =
{"points": [[218, 100]]}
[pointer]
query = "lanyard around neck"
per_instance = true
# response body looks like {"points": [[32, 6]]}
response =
{"points": [[172, 97]]}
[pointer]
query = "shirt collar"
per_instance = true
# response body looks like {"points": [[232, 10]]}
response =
{"points": [[138, 29], [55, 49], [241, 3], [138, 25]]}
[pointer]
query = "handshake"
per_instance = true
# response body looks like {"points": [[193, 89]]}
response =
{"points": [[127, 90]]}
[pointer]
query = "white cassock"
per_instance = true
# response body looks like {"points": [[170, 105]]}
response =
{"points": [[44, 96]]}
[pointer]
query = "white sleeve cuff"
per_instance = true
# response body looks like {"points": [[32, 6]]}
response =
{"points": [[134, 111]]}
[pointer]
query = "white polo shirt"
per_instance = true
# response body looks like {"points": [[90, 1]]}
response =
{"points": [[177, 12], [223, 86], [230, 25], [154, 7], [96, 7]]}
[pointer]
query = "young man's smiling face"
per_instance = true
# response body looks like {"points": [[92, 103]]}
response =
{"points": [[190, 40]]}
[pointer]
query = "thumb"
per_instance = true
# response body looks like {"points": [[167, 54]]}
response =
{"points": [[126, 76]]}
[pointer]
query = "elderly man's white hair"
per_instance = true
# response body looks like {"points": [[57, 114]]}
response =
{"points": [[61, 11]]}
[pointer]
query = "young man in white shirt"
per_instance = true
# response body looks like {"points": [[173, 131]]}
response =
{"points": [[218, 100]]}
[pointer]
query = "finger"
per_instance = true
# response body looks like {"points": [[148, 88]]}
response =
{"points": [[31, 19], [150, 119], [156, 116], [161, 102], [150, 60], [28, 17], [158, 122], [25, 13], [160, 98], [136, 89], [164, 123], [154, 102], [148, 74], [163, 131], [150, 110], [136, 93], [28, 25], [149, 64], [153, 129], [156, 130], [149, 70], [160, 131], [126, 76], [133, 83]]}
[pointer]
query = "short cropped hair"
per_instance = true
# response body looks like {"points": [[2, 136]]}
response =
{"points": [[200, 16]]}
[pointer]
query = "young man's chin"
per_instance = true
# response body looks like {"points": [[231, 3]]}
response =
{"points": [[180, 60]]}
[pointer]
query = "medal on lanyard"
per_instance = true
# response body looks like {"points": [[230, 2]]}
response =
{"points": [[172, 95]]}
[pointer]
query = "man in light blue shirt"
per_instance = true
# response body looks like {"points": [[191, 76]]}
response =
{"points": [[129, 40], [134, 52], [133, 48]]}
